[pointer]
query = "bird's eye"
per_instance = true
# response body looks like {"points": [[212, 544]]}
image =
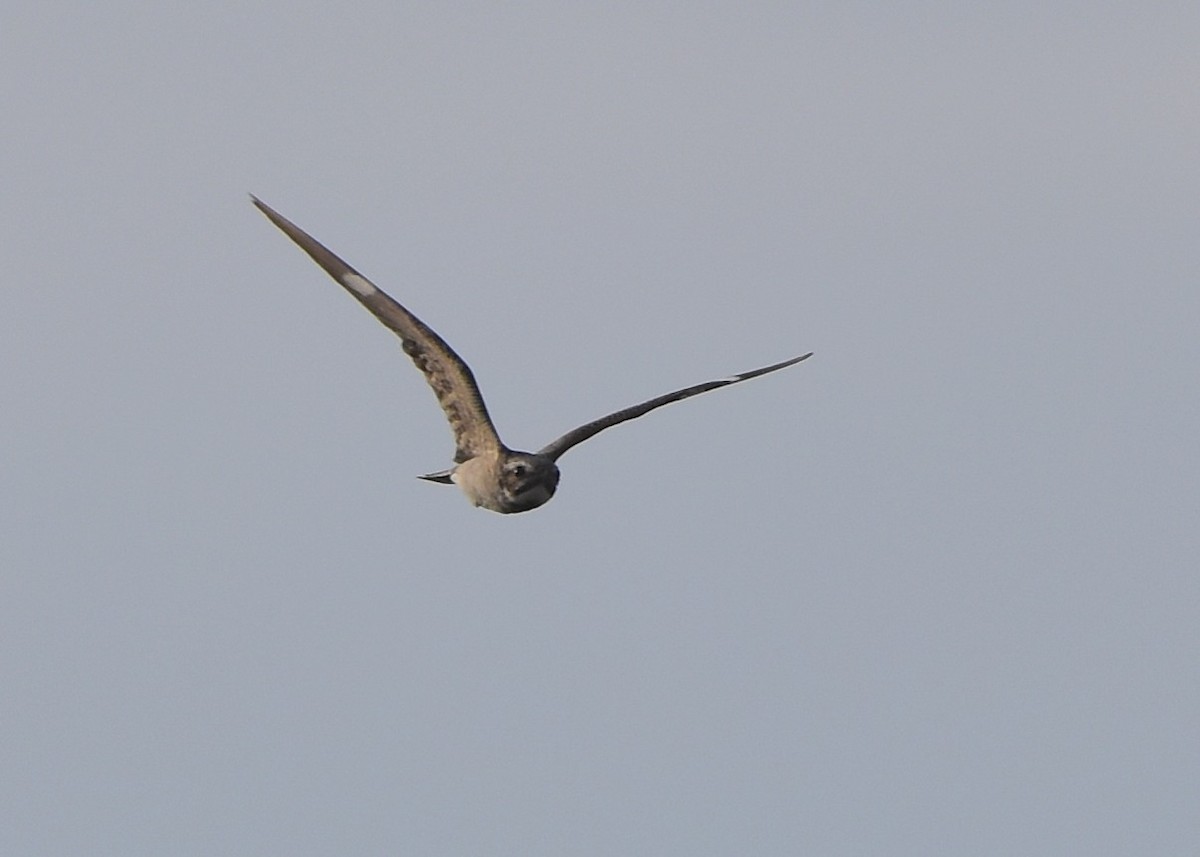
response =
{"points": [[519, 470]]}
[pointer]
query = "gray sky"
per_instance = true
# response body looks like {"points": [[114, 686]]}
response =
{"points": [[933, 591]]}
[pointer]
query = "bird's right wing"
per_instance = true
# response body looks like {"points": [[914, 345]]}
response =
{"points": [[447, 374]]}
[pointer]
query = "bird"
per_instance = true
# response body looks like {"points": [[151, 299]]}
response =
{"points": [[492, 475]]}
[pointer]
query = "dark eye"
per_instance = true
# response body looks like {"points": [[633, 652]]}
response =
{"points": [[519, 470]]}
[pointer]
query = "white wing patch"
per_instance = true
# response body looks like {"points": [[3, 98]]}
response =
{"points": [[359, 284]]}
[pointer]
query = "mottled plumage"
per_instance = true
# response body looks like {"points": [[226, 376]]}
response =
{"points": [[489, 473]]}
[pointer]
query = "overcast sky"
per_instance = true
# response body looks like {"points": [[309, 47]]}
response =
{"points": [[933, 591]]}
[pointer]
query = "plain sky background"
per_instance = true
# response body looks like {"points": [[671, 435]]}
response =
{"points": [[933, 591]]}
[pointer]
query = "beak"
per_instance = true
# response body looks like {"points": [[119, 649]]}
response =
{"points": [[442, 476]]}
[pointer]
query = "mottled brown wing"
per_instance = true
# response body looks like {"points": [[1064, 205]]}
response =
{"points": [[447, 374], [579, 435]]}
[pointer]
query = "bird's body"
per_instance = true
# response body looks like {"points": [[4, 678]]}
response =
{"points": [[508, 481], [488, 472]]}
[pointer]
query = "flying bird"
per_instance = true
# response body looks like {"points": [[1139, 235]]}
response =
{"points": [[489, 473]]}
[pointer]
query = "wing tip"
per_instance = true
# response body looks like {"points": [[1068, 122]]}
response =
{"points": [[271, 214], [774, 367]]}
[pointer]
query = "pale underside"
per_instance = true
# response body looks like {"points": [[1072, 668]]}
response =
{"points": [[489, 473]]}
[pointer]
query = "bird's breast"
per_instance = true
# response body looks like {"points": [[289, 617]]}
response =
{"points": [[479, 480]]}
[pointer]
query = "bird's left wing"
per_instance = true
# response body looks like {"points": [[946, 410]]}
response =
{"points": [[579, 435]]}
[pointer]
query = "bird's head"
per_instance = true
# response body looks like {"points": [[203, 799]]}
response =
{"points": [[527, 480]]}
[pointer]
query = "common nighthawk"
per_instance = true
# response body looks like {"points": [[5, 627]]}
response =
{"points": [[488, 472]]}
